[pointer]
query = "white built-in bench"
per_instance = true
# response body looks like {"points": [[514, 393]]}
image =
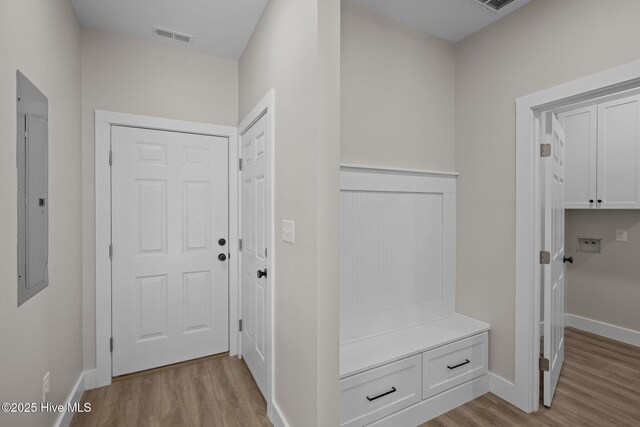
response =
{"points": [[406, 356]]}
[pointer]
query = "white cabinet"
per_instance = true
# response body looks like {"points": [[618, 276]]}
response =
{"points": [[379, 392], [619, 153], [603, 155], [581, 131], [453, 364]]}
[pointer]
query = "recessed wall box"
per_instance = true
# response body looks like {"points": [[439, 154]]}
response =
{"points": [[590, 245]]}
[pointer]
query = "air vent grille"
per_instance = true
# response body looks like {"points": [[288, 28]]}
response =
{"points": [[493, 5], [172, 35]]}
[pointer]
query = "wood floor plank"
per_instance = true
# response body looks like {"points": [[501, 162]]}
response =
{"points": [[599, 386], [211, 392]]}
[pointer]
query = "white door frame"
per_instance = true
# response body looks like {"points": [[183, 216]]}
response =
{"points": [[524, 393], [103, 122], [266, 108]]}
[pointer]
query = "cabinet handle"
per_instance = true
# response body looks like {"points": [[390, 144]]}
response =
{"points": [[591, 201], [386, 393], [466, 362], [599, 200]]}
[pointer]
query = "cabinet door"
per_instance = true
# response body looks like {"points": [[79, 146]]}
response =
{"points": [[580, 128], [619, 154]]}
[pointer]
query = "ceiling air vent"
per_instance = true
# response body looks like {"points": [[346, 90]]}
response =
{"points": [[172, 35], [493, 5]]}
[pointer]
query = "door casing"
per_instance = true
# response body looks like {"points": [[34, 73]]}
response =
{"points": [[524, 391], [103, 122]]}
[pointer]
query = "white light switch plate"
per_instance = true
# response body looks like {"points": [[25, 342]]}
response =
{"points": [[288, 231], [621, 235]]}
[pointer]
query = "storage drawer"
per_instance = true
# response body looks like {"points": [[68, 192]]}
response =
{"points": [[374, 394], [453, 364]]}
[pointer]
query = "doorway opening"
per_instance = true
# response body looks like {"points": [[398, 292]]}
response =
{"points": [[540, 226]]}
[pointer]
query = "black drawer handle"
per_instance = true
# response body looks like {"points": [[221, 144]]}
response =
{"points": [[466, 362], [386, 393]]}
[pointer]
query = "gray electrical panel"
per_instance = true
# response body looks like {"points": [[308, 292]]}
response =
{"points": [[33, 189]]}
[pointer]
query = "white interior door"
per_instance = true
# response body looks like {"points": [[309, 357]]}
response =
{"points": [[169, 269], [255, 231], [553, 242]]}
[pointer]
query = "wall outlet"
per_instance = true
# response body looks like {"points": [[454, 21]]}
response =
{"points": [[621, 235], [45, 387]]}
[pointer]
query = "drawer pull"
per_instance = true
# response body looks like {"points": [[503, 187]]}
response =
{"points": [[466, 361], [386, 393]]}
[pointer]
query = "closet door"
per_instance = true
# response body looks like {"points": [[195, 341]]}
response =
{"points": [[619, 154], [581, 130]]}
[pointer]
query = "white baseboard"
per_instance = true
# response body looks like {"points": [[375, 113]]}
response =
{"points": [[64, 419], [437, 405], [275, 416], [606, 330], [504, 389], [90, 379]]}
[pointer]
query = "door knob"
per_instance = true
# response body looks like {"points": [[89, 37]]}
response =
{"points": [[262, 273], [568, 259], [222, 257], [222, 242]]}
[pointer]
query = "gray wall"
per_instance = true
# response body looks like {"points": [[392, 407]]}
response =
{"points": [[606, 286], [546, 43], [42, 39], [397, 94], [137, 76], [295, 50]]}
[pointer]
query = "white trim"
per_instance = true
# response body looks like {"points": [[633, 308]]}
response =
{"points": [[528, 211], [502, 388], [437, 405], [64, 418], [266, 108], [277, 418], [90, 379], [370, 168], [103, 122], [607, 330]]}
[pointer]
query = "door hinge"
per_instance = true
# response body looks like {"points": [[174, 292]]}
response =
{"points": [[545, 257], [239, 164], [110, 157], [545, 150], [111, 251], [111, 344], [544, 364], [240, 325], [239, 244]]}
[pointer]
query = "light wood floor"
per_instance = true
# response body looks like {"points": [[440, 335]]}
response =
{"points": [[599, 386], [211, 392]]}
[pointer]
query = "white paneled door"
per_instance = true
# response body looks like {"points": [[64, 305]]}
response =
{"points": [[553, 242], [255, 214], [170, 247]]}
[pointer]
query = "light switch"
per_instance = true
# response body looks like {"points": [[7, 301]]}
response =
{"points": [[288, 231], [621, 235]]}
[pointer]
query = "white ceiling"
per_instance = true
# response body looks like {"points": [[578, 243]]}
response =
{"points": [[219, 27], [450, 20]]}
